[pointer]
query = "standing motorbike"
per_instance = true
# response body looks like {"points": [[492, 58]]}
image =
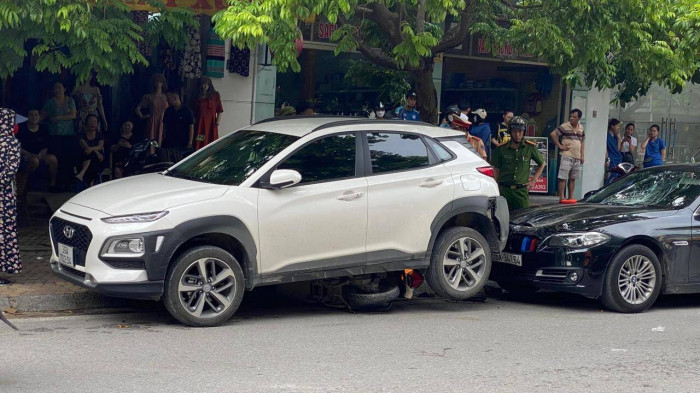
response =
{"points": [[142, 159]]}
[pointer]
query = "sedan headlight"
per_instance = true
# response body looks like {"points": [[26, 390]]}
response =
{"points": [[578, 240], [132, 218]]}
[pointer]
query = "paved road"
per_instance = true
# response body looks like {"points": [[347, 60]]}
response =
{"points": [[549, 343]]}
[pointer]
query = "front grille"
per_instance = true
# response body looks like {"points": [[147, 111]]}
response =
{"points": [[133, 265], [80, 241], [522, 243], [72, 272]]}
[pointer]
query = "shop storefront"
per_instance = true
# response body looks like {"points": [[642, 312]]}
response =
{"points": [[678, 116]]}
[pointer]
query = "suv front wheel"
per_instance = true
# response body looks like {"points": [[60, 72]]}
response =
{"points": [[204, 287], [460, 264]]}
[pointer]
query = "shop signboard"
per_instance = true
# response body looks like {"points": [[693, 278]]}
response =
{"points": [[507, 51], [325, 30], [543, 148]]}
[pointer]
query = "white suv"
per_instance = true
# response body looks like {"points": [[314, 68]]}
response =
{"points": [[288, 200]]}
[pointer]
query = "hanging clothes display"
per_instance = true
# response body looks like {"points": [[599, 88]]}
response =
{"points": [[216, 55], [239, 61], [191, 61], [9, 163], [141, 18], [208, 109]]}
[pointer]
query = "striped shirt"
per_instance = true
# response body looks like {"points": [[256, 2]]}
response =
{"points": [[571, 138]]}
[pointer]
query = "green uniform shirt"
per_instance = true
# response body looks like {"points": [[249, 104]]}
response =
{"points": [[514, 164]]}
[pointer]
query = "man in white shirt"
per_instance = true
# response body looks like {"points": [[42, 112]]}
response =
{"points": [[629, 144]]}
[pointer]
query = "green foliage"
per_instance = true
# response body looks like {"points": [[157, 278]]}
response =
{"points": [[392, 85], [82, 35], [628, 44]]}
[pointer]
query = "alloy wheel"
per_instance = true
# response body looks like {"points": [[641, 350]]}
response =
{"points": [[637, 279], [464, 264], [207, 287]]}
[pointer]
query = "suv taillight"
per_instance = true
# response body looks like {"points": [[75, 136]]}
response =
{"points": [[486, 170]]}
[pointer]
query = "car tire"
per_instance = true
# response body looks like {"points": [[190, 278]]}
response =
{"points": [[468, 276], [518, 289], [357, 299], [633, 280], [204, 287]]}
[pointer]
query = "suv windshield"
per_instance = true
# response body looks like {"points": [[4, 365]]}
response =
{"points": [[233, 159], [662, 188]]}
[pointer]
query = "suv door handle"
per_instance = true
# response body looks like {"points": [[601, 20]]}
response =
{"points": [[431, 182], [349, 196]]}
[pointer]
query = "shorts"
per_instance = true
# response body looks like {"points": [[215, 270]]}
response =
{"points": [[569, 168]]}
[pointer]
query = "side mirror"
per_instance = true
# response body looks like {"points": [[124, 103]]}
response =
{"points": [[283, 178], [589, 193]]}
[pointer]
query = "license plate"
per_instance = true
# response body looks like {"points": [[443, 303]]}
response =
{"points": [[65, 255], [511, 259]]}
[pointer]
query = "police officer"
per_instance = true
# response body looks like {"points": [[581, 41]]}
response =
{"points": [[511, 165]]}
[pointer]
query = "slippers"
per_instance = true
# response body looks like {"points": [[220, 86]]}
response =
{"points": [[5, 282], [568, 201]]}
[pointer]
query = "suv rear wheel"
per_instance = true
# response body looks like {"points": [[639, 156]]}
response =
{"points": [[460, 264], [204, 287]]}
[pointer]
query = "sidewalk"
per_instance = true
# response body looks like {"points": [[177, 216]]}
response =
{"points": [[37, 288]]}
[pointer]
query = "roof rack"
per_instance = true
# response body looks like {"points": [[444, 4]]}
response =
{"points": [[271, 119], [368, 121]]}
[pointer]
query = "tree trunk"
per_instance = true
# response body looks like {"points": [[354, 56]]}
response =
{"points": [[427, 95]]}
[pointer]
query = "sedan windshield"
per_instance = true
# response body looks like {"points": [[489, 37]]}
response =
{"points": [[664, 188], [234, 159]]}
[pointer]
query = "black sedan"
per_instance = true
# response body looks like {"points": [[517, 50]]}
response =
{"points": [[624, 244]]}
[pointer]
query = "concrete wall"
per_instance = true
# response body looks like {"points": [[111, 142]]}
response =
{"points": [[595, 105], [236, 96]]}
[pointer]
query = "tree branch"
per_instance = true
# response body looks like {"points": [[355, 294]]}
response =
{"points": [[375, 55], [454, 36], [387, 21], [420, 17]]}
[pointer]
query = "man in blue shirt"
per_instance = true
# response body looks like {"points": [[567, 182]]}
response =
{"points": [[409, 112], [481, 129]]}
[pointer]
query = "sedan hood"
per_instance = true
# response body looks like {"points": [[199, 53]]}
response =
{"points": [[581, 217], [146, 193]]}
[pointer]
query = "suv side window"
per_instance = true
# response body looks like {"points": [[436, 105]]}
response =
{"points": [[391, 152], [325, 159]]}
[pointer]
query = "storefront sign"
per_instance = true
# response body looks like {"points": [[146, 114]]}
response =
{"points": [[209, 7], [507, 51], [325, 30], [541, 186]]}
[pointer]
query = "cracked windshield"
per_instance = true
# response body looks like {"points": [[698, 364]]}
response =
{"points": [[664, 189]]}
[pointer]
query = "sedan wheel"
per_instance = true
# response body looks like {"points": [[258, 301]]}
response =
{"points": [[204, 287], [637, 279], [633, 280], [460, 264]]}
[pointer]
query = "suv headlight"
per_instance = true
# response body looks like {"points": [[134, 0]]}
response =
{"points": [[132, 218], [578, 240], [123, 247]]}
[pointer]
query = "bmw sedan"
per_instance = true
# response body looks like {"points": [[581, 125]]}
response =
{"points": [[624, 244]]}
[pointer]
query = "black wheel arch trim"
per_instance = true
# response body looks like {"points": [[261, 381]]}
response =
{"points": [[158, 263], [494, 209]]}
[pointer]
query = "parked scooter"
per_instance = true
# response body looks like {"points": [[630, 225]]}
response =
{"points": [[144, 159]]}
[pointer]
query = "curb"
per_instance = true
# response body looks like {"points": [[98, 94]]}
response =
{"points": [[62, 302]]}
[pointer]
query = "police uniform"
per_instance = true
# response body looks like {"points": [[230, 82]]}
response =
{"points": [[514, 171]]}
